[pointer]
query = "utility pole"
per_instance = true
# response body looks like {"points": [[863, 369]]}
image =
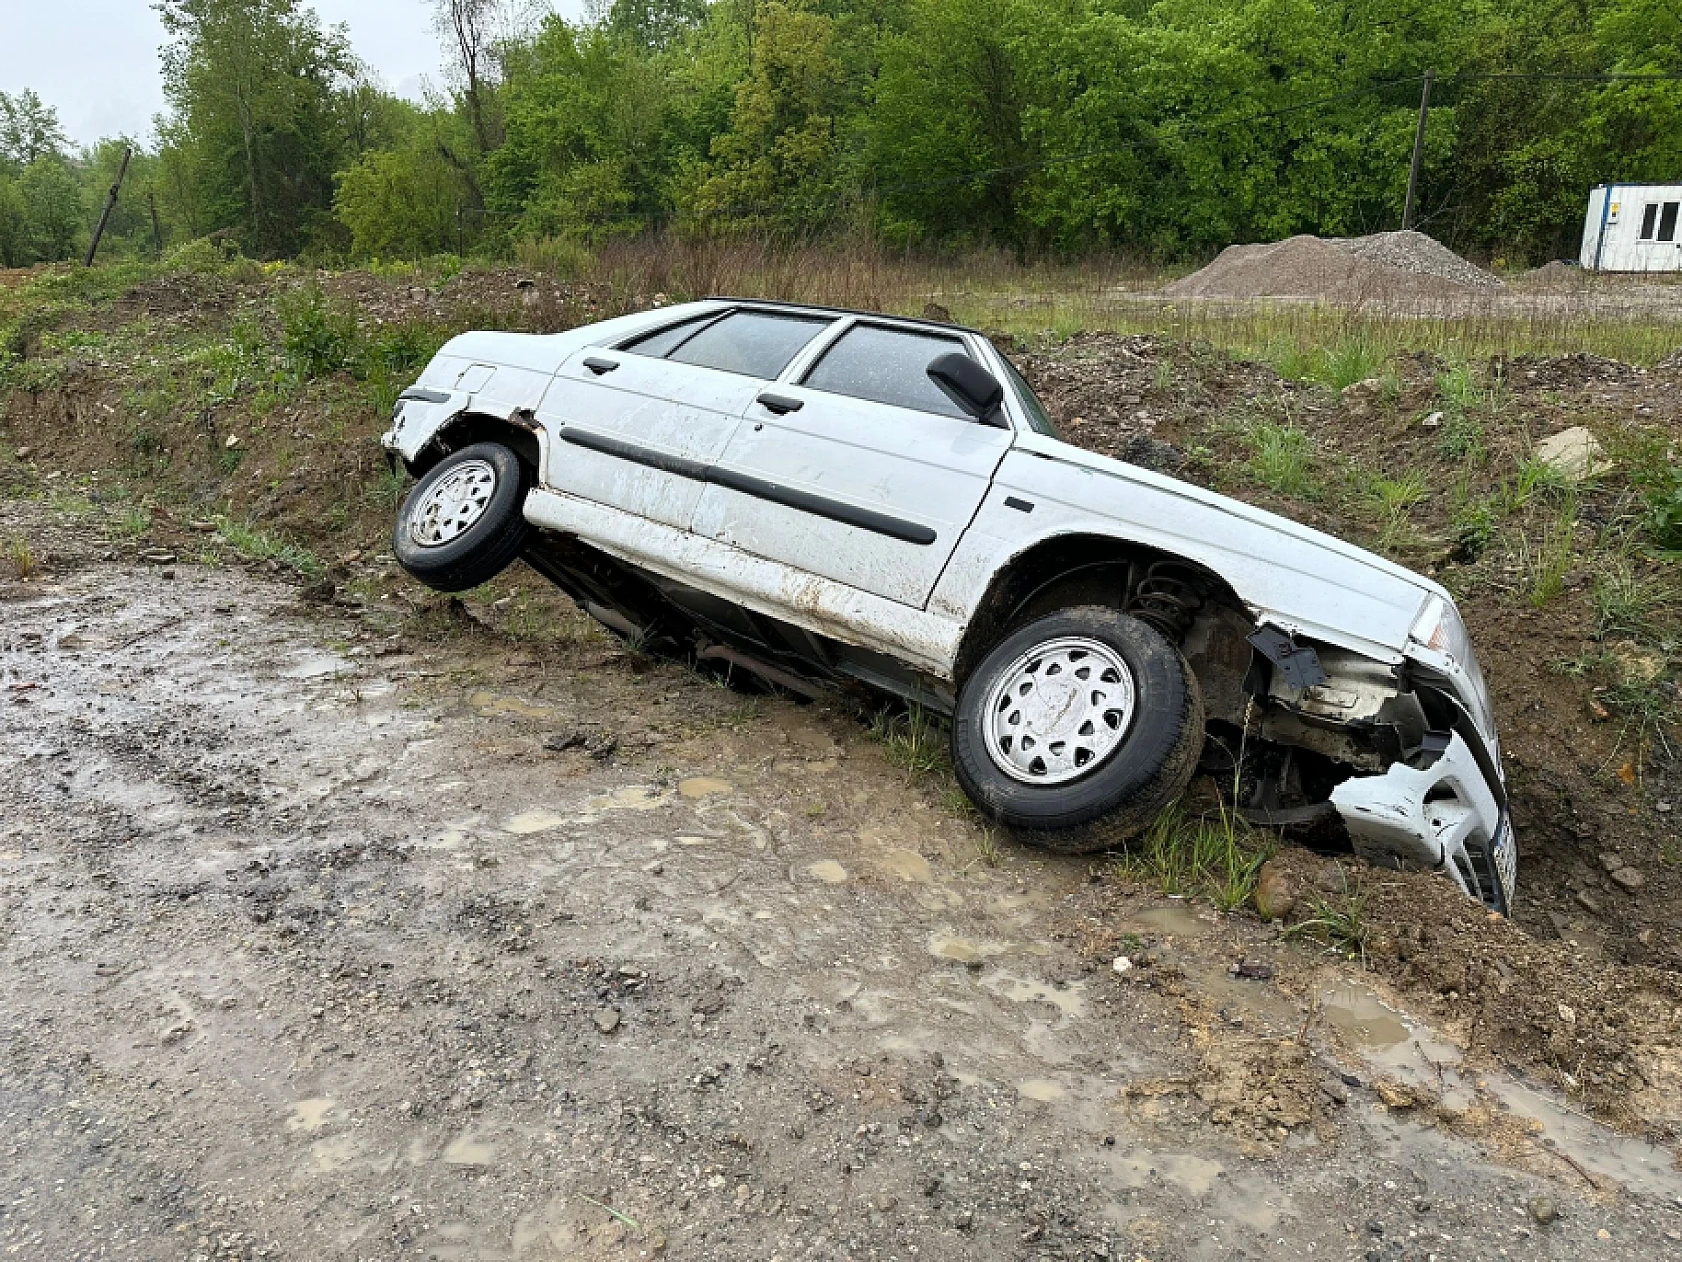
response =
{"points": [[110, 203], [1418, 150]]}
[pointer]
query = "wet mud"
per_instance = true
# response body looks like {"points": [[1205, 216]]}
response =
{"points": [[316, 946]]}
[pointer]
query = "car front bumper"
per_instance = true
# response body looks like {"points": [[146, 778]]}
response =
{"points": [[1441, 818]]}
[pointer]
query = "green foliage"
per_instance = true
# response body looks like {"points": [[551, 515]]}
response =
{"points": [[1217, 857], [1169, 130], [1663, 516], [401, 203], [256, 544], [1280, 459], [319, 337], [265, 107]]}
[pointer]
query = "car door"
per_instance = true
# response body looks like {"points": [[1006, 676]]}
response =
{"points": [[861, 470], [639, 424]]}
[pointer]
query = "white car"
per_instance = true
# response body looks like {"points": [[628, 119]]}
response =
{"points": [[817, 495]]}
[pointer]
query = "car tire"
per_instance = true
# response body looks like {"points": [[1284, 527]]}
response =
{"points": [[463, 523], [1106, 686]]}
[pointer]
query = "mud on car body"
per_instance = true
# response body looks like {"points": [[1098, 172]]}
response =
{"points": [[818, 496]]}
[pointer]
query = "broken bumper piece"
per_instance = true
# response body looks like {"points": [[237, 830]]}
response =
{"points": [[1441, 818]]}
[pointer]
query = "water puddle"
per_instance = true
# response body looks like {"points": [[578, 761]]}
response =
{"points": [[535, 820], [1070, 1000], [947, 946], [1393, 1041], [1632, 1163], [317, 667], [1385, 1037], [704, 786], [328, 1155], [828, 871], [1364, 1020], [1175, 921], [908, 865], [311, 1114], [465, 1150], [1195, 1176], [633, 797], [495, 704], [1043, 1090], [1018, 911]]}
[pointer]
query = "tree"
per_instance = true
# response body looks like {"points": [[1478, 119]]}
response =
{"points": [[400, 203], [28, 129], [257, 92], [470, 30], [779, 163]]}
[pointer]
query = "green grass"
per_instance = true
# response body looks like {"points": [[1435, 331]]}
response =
{"points": [[1627, 605], [1389, 500], [21, 557], [913, 738], [256, 544], [1217, 856], [1532, 479], [1462, 437], [1548, 560], [1281, 459], [1339, 923], [132, 520]]}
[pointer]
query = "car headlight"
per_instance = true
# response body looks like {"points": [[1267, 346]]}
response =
{"points": [[1440, 629]]}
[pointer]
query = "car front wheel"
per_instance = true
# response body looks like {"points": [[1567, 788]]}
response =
{"points": [[462, 525], [1078, 729]]}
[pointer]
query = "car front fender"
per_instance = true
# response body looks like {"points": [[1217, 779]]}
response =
{"points": [[420, 413]]}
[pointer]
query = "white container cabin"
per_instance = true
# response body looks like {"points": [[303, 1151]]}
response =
{"points": [[1633, 228]]}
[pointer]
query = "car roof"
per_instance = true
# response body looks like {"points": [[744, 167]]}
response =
{"points": [[819, 309]]}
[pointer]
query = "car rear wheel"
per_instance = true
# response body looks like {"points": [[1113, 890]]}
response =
{"points": [[462, 525], [1077, 730]]}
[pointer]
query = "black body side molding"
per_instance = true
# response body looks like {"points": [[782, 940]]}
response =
{"points": [[747, 484]]}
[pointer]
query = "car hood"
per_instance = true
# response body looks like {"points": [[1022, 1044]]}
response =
{"points": [[1300, 569]]}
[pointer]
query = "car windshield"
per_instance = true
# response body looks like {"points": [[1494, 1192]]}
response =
{"points": [[1032, 408]]}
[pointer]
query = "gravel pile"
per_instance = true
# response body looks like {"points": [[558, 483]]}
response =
{"points": [[1417, 253], [1384, 267]]}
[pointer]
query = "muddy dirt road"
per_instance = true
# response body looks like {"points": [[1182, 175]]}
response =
{"points": [[320, 944]]}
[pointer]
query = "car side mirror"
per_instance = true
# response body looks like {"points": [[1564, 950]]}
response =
{"points": [[976, 391]]}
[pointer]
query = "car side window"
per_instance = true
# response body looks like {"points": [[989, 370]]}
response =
{"points": [[662, 342], [753, 343], [887, 366]]}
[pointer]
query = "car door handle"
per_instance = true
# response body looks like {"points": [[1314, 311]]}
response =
{"points": [[600, 366], [781, 404]]}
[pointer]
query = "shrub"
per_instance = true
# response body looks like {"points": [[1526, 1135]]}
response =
{"points": [[318, 338]]}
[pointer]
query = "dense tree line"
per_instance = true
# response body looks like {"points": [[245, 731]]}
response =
{"points": [[1169, 128]]}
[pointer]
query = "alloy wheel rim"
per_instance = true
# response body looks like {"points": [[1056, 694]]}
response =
{"points": [[454, 504], [1059, 711]]}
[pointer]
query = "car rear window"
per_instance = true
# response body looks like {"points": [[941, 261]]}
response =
{"points": [[753, 343], [887, 366]]}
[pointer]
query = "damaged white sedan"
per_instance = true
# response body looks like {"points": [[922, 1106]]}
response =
{"points": [[817, 496]]}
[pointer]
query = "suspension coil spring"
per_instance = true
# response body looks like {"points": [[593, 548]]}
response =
{"points": [[1166, 598]]}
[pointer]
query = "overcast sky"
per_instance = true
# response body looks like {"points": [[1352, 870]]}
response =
{"points": [[96, 61]]}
